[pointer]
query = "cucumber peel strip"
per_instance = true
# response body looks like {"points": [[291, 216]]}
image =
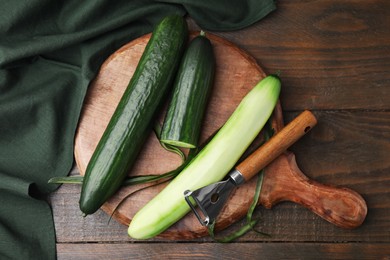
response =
{"points": [[169, 147]]}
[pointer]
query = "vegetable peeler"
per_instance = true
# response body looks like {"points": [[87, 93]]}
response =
{"points": [[208, 201]]}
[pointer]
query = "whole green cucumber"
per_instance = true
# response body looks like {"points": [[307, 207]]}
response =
{"points": [[130, 124], [182, 123]]}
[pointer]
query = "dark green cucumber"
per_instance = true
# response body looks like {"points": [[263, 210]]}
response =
{"points": [[130, 124], [182, 123]]}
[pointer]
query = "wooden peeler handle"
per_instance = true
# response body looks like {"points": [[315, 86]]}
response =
{"points": [[277, 145]]}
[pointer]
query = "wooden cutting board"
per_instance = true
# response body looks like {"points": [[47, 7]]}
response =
{"points": [[236, 74]]}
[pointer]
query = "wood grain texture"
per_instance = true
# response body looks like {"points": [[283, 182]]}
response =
{"points": [[341, 166], [331, 54], [334, 58], [342, 207], [224, 251], [284, 181]]}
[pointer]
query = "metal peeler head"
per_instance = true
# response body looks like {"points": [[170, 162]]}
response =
{"points": [[199, 211], [208, 201]]}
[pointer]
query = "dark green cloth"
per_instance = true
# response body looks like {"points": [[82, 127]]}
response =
{"points": [[49, 53]]}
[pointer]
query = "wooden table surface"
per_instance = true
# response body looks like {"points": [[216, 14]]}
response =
{"points": [[334, 58]]}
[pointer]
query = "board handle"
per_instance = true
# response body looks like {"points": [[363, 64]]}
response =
{"points": [[277, 145], [284, 181]]}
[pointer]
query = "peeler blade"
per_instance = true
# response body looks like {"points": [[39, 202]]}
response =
{"points": [[208, 201]]}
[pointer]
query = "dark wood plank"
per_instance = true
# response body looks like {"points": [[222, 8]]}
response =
{"points": [[223, 251], [331, 54], [334, 58], [347, 149]]}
